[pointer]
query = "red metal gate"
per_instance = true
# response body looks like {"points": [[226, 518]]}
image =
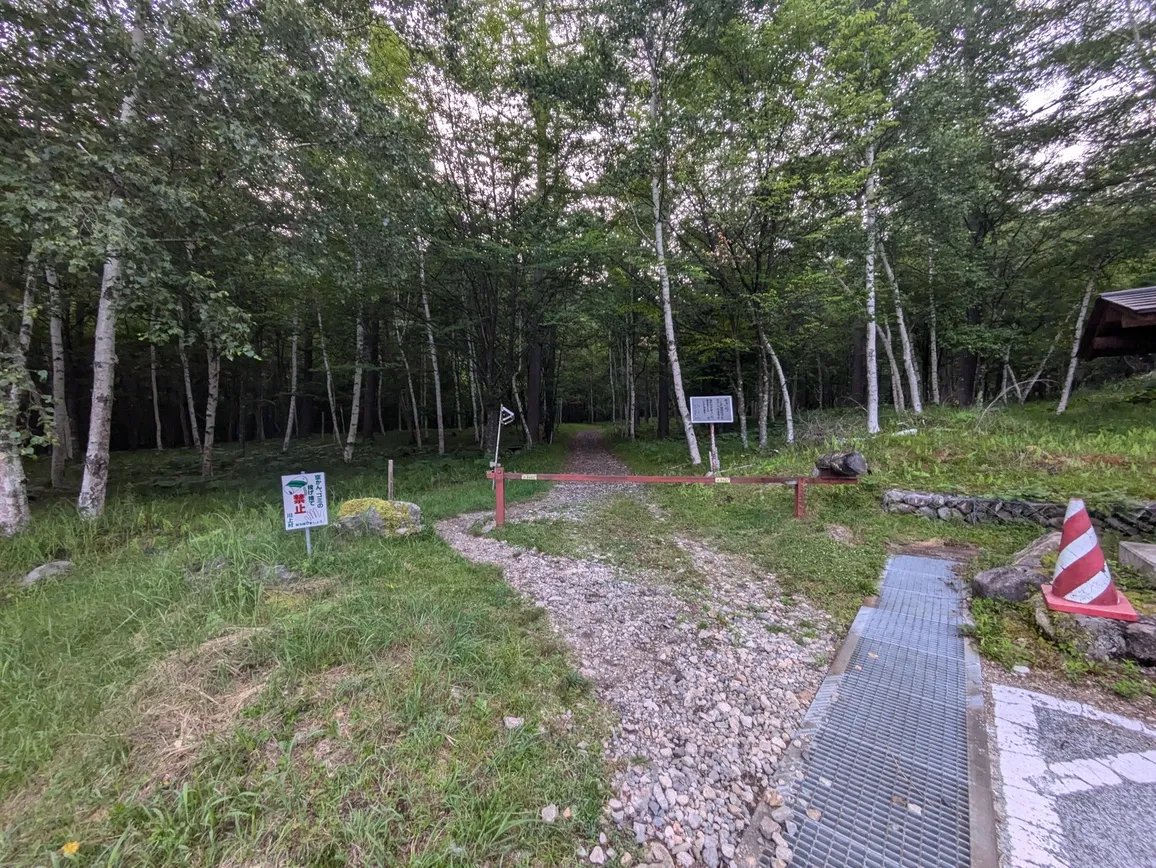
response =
{"points": [[500, 477]]}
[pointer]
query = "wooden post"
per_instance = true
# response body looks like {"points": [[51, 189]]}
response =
{"points": [[499, 496], [800, 497], [389, 487]]}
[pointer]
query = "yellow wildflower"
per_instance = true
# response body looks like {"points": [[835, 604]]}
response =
{"points": [[71, 848]]}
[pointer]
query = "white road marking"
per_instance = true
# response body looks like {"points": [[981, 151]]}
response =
{"points": [[1035, 834]]}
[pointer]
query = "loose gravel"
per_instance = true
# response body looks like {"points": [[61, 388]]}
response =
{"points": [[708, 680]]}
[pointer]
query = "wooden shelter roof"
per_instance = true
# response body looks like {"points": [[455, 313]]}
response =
{"points": [[1122, 324]]}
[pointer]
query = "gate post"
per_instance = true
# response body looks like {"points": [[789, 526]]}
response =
{"points": [[499, 496], [800, 497]]}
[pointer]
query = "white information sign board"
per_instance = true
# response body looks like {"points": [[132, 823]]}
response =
{"points": [[303, 500], [713, 409]]}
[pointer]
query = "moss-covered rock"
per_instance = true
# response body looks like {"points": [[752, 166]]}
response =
{"points": [[375, 516]]}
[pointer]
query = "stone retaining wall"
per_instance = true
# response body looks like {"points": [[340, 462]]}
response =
{"points": [[1127, 520]]}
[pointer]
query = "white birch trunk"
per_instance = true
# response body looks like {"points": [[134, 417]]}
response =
{"points": [[764, 396], [557, 381], [664, 282], [1015, 383], [156, 397], [14, 512], [355, 407], [291, 420], [613, 391], [896, 380], [433, 357], [475, 395], [409, 383], [60, 432], [1035, 378], [94, 485], [328, 380], [934, 337], [521, 411], [189, 394], [741, 398], [457, 392], [380, 377], [213, 357], [631, 391], [872, 325], [788, 413], [1066, 395], [904, 337]]}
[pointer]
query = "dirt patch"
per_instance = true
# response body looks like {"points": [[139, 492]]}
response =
{"points": [[841, 534], [185, 698], [936, 548]]}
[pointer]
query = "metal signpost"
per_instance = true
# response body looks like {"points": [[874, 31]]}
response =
{"points": [[712, 410], [505, 417], [304, 503]]}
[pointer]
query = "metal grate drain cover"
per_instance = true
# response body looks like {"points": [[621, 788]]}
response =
{"points": [[886, 776]]}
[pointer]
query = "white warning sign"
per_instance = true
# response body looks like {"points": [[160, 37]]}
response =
{"points": [[716, 409], [303, 500]]}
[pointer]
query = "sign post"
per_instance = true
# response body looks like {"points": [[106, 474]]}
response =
{"points": [[505, 417], [712, 410], [303, 501]]}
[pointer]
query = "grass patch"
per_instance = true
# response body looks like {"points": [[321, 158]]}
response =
{"points": [[163, 705], [1102, 449]]}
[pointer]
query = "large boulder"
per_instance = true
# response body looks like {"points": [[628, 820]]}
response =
{"points": [[1096, 638], [849, 464], [45, 571], [1014, 583], [372, 516], [1100, 638], [1140, 640]]}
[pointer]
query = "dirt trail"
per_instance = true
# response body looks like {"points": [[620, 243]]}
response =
{"points": [[708, 681]]}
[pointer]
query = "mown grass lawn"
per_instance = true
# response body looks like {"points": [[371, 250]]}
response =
{"points": [[165, 704]]}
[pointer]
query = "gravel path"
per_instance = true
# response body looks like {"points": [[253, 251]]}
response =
{"points": [[707, 682]]}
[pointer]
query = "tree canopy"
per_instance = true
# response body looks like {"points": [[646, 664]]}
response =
{"points": [[230, 220]]}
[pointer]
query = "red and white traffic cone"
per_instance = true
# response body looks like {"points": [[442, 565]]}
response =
{"points": [[1082, 583]]}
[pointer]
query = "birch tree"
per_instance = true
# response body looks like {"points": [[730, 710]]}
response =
{"points": [[655, 56], [14, 512], [904, 336], [869, 267], [433, 350], [1070, 378], [212, 397], [94, 485], [291, 419], [355, 408], [329, 391], [190, 402], [61, 451], [933, 333]]}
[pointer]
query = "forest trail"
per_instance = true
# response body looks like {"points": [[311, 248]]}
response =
{"points": [[707, 678]]}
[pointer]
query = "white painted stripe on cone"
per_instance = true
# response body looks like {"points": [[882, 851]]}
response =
{"points": [[1075, 505], [1092, 588], [1075, 550]]}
